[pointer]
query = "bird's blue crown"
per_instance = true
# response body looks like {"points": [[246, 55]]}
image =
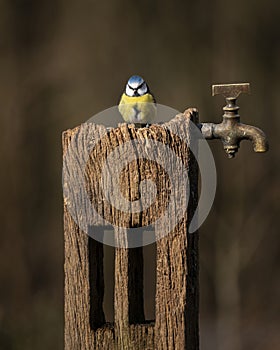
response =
{"points": [[135, 81]]}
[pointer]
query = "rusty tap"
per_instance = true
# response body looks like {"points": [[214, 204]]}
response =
{"points": [[230, 130]]}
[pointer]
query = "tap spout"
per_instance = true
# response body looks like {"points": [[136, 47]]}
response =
{"points": [[255, 135]]}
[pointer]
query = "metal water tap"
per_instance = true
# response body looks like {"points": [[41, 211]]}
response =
{"points": [[230, 130]]}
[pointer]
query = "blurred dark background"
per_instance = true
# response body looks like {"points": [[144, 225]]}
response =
{"points": [[62, 62]]}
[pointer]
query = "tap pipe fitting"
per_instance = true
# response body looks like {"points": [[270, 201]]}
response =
{"points": [[230, 131]]}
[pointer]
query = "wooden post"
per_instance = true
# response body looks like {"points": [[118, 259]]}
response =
{"points": [[176, 300]]}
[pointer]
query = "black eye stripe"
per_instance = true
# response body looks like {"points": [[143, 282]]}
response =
{"points": [[141, 85], [135, 89]]}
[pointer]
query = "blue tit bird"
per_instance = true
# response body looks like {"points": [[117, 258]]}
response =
{"points": [[137, 105]]}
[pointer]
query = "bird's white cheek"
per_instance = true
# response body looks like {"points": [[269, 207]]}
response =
{"points": [[143, 90], [128, 91]]}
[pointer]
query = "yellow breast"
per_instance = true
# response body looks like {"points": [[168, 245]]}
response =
{"points": [[140, 109]]}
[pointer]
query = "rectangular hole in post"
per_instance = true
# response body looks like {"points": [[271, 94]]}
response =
{"points": [[109, 282], [101, 279], [142, 281], [149, 257], [96, 280], [135, 280]]}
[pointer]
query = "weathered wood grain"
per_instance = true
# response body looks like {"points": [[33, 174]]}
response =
{"points": [[176, 299]]}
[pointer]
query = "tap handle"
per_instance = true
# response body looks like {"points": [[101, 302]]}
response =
{"points": [[230, 91]]}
